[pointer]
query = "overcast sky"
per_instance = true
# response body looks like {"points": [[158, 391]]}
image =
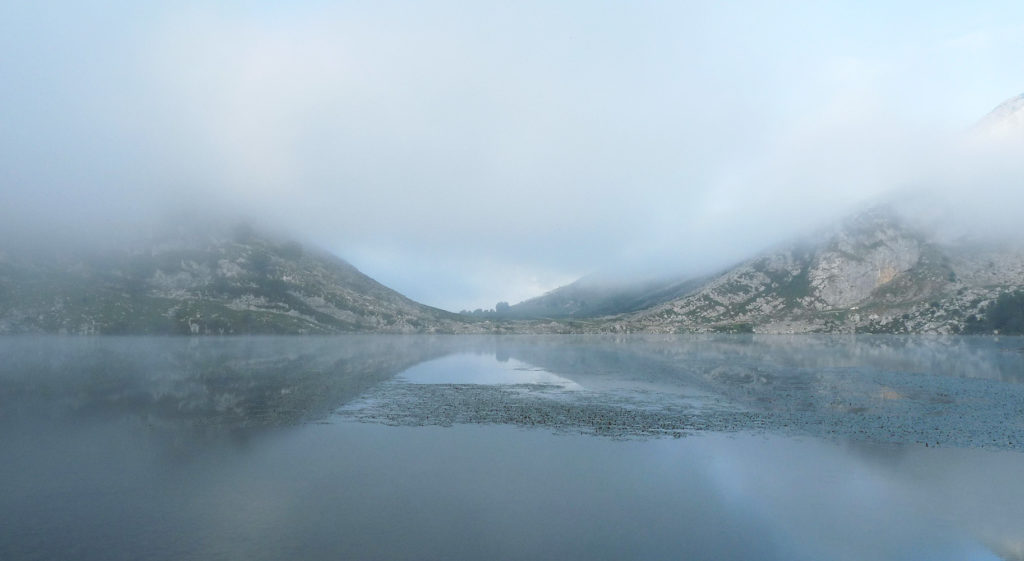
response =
{"points": [[469, 152]]}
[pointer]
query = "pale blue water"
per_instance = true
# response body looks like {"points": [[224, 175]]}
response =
{"points": [[512, 448]]}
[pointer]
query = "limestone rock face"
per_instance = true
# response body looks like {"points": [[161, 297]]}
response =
{"points": [[860, 260]]}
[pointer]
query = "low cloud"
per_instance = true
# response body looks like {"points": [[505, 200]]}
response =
{"points": [[470, 154]]}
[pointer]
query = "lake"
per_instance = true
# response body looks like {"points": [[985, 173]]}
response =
{"points": [[512, 447]]}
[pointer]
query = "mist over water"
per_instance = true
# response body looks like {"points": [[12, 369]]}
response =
{"points": [[181, 167], [585, 447]]}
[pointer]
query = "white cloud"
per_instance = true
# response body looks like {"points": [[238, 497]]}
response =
{"points": [[515, 146]]}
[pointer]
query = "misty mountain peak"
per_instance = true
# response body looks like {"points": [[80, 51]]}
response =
{"points": [[1005, 121], [195, 277], [874, 220]]}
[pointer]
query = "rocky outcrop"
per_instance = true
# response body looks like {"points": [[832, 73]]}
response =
{"points": [[868, 254]]}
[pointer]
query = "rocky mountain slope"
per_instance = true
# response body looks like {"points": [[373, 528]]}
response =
{"points": [[594, 296], [872, 274], [205, 282]]}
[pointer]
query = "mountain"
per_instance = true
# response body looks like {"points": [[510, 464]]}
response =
{"points": [[1005, 121], [594, 296], [205, 281], [872, 274]]}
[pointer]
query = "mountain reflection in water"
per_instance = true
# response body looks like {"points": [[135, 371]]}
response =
{"points": [[791, 448]]}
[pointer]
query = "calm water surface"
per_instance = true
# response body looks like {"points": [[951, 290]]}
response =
{"points": [[733, 447]]}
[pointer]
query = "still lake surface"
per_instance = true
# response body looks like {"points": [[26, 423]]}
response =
{"points": [[516, 447]]}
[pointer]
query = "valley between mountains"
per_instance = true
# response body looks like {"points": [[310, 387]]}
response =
{"points": [[873, 273]]}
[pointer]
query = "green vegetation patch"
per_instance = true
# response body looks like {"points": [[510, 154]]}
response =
{"points": [[1005, 315], [741, 327], [791, 287]]}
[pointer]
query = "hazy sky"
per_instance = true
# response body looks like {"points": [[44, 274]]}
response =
{"points": [[470, 152]]}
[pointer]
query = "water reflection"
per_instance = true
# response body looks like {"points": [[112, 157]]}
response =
{"points": [[485, 369], [945, 391], [907, 390], [901, 390], [238, 448], [230, 383]]}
